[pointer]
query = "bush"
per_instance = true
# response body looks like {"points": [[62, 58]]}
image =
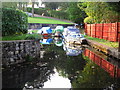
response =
{"points": [[89, 20], [14, 22]]}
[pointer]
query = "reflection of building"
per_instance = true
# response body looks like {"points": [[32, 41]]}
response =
{"points": [[112, 68]]}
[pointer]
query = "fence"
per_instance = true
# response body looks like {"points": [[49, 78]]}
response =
{"points": [[107, 31], [113, 70]]}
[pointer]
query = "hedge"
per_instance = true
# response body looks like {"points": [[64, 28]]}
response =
{"points": [[50, 13], [14, 22], [58, 14], [38, 11]]}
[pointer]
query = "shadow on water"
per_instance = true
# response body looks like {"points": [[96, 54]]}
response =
{"points": [[80, 70]]}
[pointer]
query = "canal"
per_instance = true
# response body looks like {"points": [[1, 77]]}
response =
{"points": [[63, 65]]}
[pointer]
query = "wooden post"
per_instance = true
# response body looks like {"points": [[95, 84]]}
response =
{"points": [[118, 35], [95, 30], [85, 26], [90, 30], [119, 41], [102, 30]]}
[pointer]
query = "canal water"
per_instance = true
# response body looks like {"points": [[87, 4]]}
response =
{"points": [[64, 65]]}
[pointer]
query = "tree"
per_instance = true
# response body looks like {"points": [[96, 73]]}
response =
{"points": [[76, 14], [52, 5], [22, 6], [101, 12], [33, 3], [9, 5], [33, 9]]}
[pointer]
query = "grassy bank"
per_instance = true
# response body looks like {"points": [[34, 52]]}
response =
{"points": [[45, 20], [21, 37], [102, 41]]}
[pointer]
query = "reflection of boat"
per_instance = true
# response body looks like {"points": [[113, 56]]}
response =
{"points": [[46, 41], [72, 50], [58, 41], [73, 35], [45, 31], [70, 27], [58, 31]]}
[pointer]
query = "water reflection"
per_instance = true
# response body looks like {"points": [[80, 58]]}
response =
{"points": [[54, 67], [62, 82], [72, 50], [109, 64], [32, 74], [58, 41], [46, 40]]}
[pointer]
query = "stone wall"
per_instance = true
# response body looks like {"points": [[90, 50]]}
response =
{"points": [[14, 52]]}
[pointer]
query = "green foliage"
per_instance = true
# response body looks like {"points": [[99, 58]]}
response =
{"points": [[88, 20], [101, 12], [76, 14], [13, 22], [115, 6], [52, 5], [9, 4], [39, 11], [58, 14], [64, 5]]}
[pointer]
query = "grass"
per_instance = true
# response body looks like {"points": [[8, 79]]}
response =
{"points": [[45, 20], [21, 37], [105, 42], [34, 31]]}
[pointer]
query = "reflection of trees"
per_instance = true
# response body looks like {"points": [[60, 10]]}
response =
{"points": [[67, 66], [31, 74], [70, 66], [92, 77]]}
